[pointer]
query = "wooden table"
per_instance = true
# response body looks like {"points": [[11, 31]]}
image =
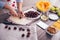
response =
{"points": [[41, 34]]}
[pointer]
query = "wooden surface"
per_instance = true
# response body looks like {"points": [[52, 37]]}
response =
{"points": [[41, 34]]}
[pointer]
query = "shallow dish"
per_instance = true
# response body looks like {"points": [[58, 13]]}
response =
{"points": [[51, 30], [53, 16], [32, 9]]}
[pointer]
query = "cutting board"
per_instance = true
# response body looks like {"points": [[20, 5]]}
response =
{"points": [[16, 20]]}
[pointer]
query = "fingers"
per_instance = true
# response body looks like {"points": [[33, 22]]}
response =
{"points": [[21, 14], [14, 14]]}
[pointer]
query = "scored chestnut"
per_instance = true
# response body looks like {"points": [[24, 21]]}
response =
{"points": [[28, 30], [20, 28], [9, 28], [23, 35], [6, 26], [28, 34], [15, 28], [23, 29]]}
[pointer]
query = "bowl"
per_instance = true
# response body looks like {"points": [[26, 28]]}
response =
{"points": [[31, 12], [44, 18], [51, 30]]}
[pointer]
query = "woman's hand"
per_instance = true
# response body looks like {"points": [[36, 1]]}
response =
{"points": [[21, 14], [19, 6], [14, 13]]}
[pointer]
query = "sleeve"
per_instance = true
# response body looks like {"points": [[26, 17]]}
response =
{"points": [[2, 4], [19, 0]]}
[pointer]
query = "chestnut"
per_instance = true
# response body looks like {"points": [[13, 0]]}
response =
{"points": [[6, 26], [23, 35], [15, 28], [9, 28]]}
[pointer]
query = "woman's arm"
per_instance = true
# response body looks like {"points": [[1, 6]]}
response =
{"points": [[3, 5], [19, 4], [12, 11]]}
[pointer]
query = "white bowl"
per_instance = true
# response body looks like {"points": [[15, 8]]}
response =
{"points": [[32, 9], [51, 33], [53, 16]]}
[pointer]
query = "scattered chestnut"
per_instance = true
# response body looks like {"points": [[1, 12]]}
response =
{"points": [[23, 29], [28, 34], [15, 28], [9, 28], [28, 30], [6, 26], [23, 35], [20, 28]]}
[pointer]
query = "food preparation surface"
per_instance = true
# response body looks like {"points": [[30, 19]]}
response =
{"points": [[40, 32], [30, 16], [16, 20], [17, 32]]}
